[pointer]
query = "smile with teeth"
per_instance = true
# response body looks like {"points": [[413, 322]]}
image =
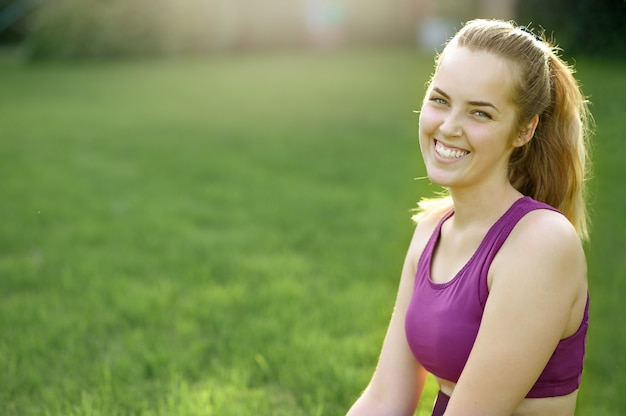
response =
{"points": [[448, 153]]}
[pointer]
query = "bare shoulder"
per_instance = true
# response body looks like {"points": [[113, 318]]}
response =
{"points": [[545, 248], [423, 231], [543, 232], [428, 222]]}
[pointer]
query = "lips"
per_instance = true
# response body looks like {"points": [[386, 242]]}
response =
{"points": [[449, 152]]}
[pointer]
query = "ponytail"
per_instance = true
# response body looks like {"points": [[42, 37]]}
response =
{"points": [[552, 167]]}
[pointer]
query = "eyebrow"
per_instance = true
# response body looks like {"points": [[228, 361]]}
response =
{"points": [[476, 103]]}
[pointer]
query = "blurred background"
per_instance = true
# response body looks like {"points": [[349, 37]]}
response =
{"points": [[205, 204], [124, 28]]}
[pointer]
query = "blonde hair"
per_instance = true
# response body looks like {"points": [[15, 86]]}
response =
{"points": [[551, 167]]}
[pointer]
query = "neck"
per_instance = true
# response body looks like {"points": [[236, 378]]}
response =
{"points": [[472, 208]]}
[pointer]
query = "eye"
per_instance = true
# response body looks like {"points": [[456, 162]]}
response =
{"points": [[438, 100], [482, 114]]}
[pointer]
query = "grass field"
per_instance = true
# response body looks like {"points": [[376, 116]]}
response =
{"points": [[224, 236]]}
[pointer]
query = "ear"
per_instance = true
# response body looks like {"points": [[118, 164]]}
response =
{"points": [[526, 132]]}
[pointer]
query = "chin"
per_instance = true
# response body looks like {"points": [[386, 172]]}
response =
{"points": [[440, 180]]}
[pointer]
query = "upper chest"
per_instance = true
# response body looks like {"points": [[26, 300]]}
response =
{"points": [[454, 250]]}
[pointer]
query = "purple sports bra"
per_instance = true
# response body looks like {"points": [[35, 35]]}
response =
{"points": [[442, 319]]}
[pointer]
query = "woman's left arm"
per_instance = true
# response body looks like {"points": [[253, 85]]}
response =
{"points": [[537, 281]]}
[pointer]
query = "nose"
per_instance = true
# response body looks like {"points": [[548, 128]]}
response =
{"points": [[451, 125]]}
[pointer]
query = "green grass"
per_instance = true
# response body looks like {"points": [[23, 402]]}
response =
{"points": [[225, 236]]}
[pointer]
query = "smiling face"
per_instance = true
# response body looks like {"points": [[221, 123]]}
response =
{"points": [[468, 121]]}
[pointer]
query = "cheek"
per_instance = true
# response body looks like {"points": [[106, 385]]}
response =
{"points": [[427, 121], [430, 120]]}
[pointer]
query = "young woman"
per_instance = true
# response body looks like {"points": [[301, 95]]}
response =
{"points": [[493, 296]]}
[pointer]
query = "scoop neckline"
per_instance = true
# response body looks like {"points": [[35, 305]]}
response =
{"points": [[437, 236]]}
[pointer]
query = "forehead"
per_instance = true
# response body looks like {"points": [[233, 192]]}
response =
{"points": [[475, 75]]}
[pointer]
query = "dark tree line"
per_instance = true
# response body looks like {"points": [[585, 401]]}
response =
{"points": [[581, 27]]}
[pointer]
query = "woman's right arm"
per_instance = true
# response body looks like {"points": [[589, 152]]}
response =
{"points": [[397, 383]]}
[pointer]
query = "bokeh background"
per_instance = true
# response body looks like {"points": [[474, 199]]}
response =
{"points": [[79, 29], [205, 204]]}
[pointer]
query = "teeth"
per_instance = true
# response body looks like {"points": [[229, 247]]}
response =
{"points": [[449, 153]]}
